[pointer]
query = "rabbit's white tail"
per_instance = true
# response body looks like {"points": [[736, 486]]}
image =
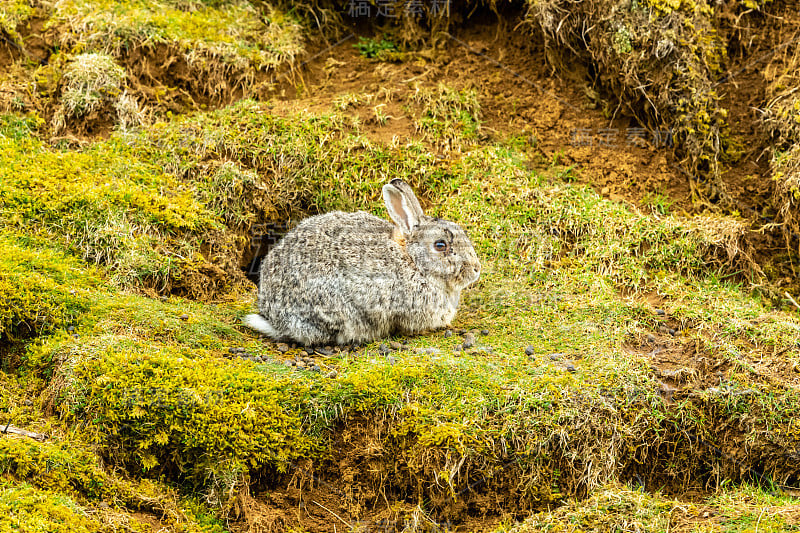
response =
{"points": [[259, 323]]}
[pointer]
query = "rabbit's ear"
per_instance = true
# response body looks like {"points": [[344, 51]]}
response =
{"points": [[403, 206]]}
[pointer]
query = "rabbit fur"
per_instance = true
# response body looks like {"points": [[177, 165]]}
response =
{"points": [[348, 278]]}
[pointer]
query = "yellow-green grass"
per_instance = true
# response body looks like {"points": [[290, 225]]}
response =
{"points": [[621, 508], [61, 487], [30, 510], [13, 13], [447, 114], [147, 380]]}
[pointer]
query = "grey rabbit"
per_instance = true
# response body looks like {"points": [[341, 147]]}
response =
{"points": [[349, 278]]}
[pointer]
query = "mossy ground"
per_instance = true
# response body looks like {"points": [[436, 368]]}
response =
{"points": [[653, 361]]}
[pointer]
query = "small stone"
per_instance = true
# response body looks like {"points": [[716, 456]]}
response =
{"points": [[650, 338], [392, 360], [555, 356], [327, 352], [293, 363], [484, 332], [383, 349], [570, 367], [301, 364], [304, 354], [288, 363], [329, 349], [316, 368], [332, 374], [660, 312], [233, 350], [672, 332], [184, 317], [71, 329], [394, 345], [75, 336], [469, 341], [448, 333], [282, 347], [530, 350]]}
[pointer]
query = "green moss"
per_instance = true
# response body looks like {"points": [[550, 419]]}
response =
{"points": [[56, 486], [108, 206], [176, 411], [41, 289], [55, 467], [622, 41], [13, 13], [29, 510]]}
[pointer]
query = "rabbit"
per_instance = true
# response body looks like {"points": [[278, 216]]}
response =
{"points": [[350, 278]]}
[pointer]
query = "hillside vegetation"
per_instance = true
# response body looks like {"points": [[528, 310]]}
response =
{"points": [[628, 361]]}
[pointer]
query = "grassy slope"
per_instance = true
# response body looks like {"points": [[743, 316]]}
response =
{"points": [[156, 395], [145, 382]]}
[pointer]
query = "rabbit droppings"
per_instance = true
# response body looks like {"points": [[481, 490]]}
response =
{"points": [[350, 278]]}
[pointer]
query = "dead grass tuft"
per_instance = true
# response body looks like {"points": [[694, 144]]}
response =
{"points": [[93, 84]]}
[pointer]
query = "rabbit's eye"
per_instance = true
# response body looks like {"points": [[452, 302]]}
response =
{"points": [[440, 246]]}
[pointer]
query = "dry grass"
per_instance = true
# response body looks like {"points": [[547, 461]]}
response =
{"points": [[94, 83], [224, 46], [781, 120]]}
